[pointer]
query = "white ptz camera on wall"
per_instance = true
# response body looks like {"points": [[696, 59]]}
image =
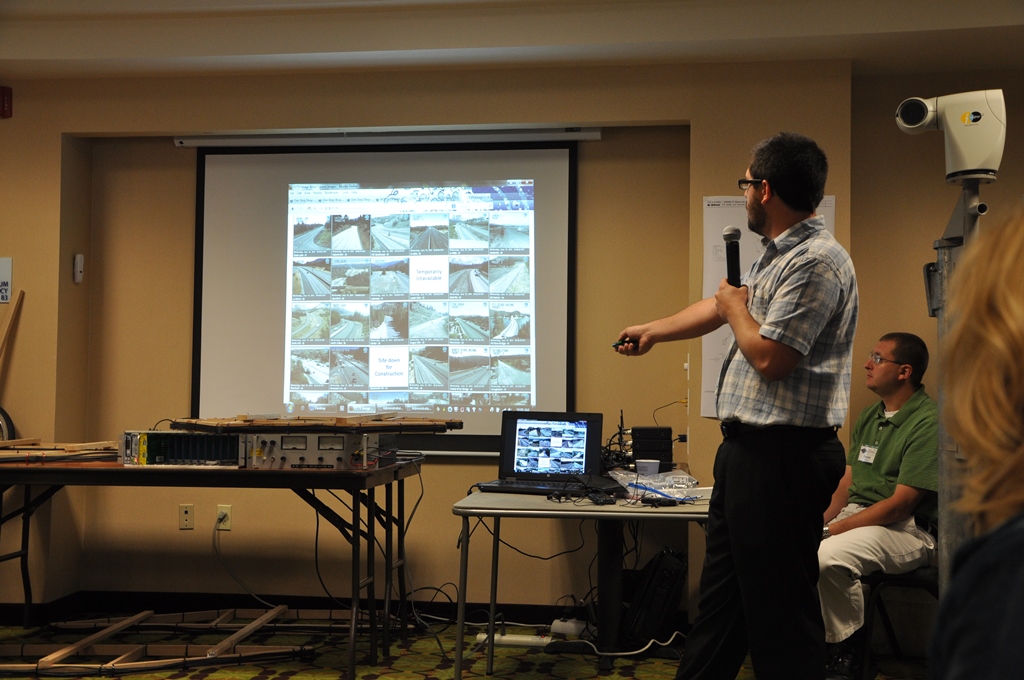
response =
{"points": [[974, 124]]}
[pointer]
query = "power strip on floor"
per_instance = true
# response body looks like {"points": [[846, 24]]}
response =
{"points": [[515, 640]]}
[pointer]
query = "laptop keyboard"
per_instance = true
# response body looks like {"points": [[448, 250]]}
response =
{"points": [[533, 486]]}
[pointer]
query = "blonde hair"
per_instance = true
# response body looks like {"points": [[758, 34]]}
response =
{"points": [[983, 369]]}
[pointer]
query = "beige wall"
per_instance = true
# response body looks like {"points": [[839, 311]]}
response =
{"points": [[901, 205], [90, 361]]}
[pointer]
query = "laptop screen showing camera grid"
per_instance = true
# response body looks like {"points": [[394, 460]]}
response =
{"points": [[550, 446]]}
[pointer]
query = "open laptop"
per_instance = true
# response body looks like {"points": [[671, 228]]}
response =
{"points": [[545, 452]]}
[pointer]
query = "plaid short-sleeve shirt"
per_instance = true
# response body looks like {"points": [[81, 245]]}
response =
{"points": [[803, 292]]}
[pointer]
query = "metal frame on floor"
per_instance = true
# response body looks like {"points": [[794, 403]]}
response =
{"points": [[79, 657]]}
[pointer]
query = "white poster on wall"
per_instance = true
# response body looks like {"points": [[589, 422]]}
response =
{"points": [[5, 279], [720, 212]]}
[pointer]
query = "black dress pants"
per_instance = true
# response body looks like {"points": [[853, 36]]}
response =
{"points": [[758, 589]]}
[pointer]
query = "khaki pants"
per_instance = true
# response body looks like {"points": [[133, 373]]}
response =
{"points": [[843, 559]]}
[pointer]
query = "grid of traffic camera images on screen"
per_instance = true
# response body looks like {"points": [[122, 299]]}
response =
{"points": [[543, 446], [416, 299]]}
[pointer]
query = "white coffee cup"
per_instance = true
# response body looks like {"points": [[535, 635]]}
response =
{"points": [[647, 467]]}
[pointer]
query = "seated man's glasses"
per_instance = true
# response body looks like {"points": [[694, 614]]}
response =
{"points": [[877, 359], [745, 183]]}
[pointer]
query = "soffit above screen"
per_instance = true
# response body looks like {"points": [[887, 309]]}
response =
{"points": [[386, 137]]}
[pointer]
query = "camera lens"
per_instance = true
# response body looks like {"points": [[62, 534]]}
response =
{"points": [[912, 112]]}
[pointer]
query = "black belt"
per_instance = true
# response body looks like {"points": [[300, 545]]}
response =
{"points": [[734, 428]]}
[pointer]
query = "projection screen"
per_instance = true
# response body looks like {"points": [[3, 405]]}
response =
{"points": [[430, 282]]}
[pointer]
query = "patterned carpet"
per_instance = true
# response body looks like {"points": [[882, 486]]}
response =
{"points": [[426, 654]]}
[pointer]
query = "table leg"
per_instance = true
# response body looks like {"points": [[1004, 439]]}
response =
{"points": [[403, 595], [26, 579], [495, 543], [355, 585], [609, 587], [371, 571], [460, 623], [389, 564], [28, 506]]}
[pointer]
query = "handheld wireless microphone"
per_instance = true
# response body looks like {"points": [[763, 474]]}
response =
{"points": [[732, 235]]}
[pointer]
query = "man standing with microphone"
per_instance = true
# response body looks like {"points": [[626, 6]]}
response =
{"points": [[782, 394]]}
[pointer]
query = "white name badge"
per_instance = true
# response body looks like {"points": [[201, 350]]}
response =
{"points": [[867, 454]]}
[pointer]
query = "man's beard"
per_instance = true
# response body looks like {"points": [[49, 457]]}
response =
{"points": [[756, 218]]}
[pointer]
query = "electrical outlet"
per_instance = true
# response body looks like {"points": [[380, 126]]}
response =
{"points": [[223, 518], [186, 516]]}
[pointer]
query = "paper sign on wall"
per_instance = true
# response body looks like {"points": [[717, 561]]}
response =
{"points": [[5, 280]]}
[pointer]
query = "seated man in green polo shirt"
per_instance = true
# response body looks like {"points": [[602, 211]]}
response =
{"points": [[884, 512]]}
